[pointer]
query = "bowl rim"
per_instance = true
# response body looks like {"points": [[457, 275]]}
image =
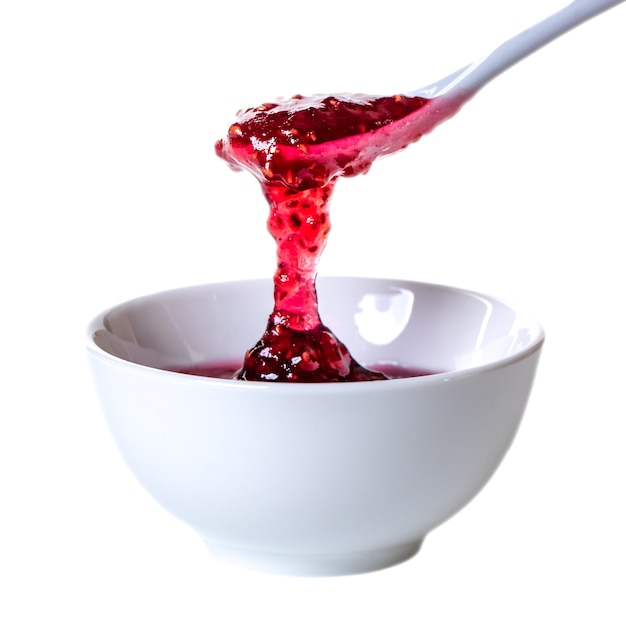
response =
{"points": [[97, 323]]}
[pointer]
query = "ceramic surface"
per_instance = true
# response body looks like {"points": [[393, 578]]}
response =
{"points": [[315, 479]]}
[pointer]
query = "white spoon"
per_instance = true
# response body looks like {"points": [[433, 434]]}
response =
{"points": [[347, 153], [470, 79], [447, 96]]}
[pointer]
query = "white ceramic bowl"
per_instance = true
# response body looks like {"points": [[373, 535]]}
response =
{"points": [[315, 479]]}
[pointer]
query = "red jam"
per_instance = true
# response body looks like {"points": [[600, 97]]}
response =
{"points": [[227, 371], [297, 149]]}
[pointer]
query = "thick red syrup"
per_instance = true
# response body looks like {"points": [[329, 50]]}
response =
{"points": [[297, 149], [228, 371]]}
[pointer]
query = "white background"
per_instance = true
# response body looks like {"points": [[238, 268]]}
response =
{"points": [[109, 189]]}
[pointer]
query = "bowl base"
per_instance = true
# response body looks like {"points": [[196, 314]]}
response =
{"points": [[339, 564]]}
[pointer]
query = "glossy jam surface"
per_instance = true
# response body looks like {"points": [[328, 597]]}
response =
{"points": [[297, 149], [306, 142], [228, 371]]}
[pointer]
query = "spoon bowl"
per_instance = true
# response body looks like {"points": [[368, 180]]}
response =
{"points": [[302, 143]]}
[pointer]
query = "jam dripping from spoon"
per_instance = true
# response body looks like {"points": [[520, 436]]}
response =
{"points": [[297, 149]]}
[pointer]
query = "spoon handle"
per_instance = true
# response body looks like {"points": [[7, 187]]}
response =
{"points": [[473, 77]]}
